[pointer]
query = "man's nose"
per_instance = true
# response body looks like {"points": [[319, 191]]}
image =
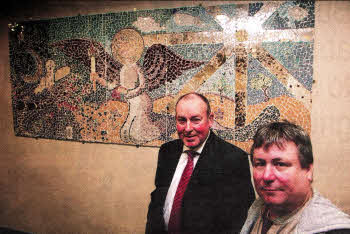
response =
{"points": [[188, 127], [269, 174]]}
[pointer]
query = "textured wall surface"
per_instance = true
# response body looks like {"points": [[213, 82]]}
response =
{"points": [[50, 186], [331, 101]]}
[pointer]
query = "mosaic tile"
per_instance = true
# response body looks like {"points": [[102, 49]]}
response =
{"points": [[115, 77], [222, 82], [254, 8], [292, 14], [229, 9], [296, 57], [240, 110], [262, 85]]}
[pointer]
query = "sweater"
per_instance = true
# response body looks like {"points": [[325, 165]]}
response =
{"points": [[319, 215]]}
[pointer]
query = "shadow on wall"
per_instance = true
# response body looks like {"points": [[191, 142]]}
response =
{"points": [[4, 230]]}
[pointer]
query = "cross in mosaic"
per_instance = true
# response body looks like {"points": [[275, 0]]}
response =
{"points": [[115, 77]]}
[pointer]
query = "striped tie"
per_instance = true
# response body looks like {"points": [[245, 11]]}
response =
{"points": [[174, 225]]}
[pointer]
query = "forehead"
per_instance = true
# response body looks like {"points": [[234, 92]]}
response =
{"points": [[289, 151], [191, 105]]}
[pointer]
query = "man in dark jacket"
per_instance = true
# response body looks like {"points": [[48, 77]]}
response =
{"points": [[217, 192]]}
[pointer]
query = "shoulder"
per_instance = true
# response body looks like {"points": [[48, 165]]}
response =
{"points": [[227, 156], [253, 215], [222, 148], [321, 215], [171, 146], [224, 145]]}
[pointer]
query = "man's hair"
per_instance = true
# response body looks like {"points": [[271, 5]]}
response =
{"points": [[279, 133], [201, 96]]}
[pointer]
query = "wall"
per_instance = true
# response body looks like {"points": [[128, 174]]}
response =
{"points": [[67, 187], [330, 118]]}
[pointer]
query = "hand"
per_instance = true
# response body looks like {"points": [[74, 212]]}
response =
{"points": [[119, 93], [96, 77], [122, 90]]}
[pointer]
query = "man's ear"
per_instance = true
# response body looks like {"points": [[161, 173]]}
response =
{"points": [[310, 173], [211, 119]]}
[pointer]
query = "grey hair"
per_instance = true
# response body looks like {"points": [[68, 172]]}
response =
{"points": [[201, 96]]}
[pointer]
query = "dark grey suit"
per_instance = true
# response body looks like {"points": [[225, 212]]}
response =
{"points": [[218, 195]]}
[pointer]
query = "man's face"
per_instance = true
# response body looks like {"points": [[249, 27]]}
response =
{"points": [[278, 177], [192, 121]]}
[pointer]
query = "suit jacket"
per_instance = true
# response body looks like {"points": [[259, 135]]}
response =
{"points": [[218, 195]]}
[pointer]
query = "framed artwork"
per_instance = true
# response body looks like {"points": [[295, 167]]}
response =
{"points": [[115, 77]]}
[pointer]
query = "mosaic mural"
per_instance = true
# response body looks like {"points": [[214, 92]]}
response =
{"points": [[115, 78]]}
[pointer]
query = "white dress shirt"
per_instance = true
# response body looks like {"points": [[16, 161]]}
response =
{"points": [[176, 180]]}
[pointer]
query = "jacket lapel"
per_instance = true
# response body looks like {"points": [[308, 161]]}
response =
{"points": [[174, 157], [202, 173]]}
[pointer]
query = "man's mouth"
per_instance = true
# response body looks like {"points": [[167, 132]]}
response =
{"points": [[189, 136], [270, 189]]}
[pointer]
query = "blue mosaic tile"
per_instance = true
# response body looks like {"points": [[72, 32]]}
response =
{"points": [[254, 8], [229, 10], [262, 85], [297, 57], [222, 82], [292, 15]]}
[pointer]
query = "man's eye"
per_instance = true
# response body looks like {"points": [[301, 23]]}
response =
{"points": [[196, 120], [181, 121], [281, 164], [258, 164]]}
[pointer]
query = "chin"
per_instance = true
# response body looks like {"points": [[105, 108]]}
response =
{"points": [[273, 200], [191, 144]]}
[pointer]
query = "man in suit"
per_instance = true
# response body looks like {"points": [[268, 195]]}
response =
{"points": [[219, 191]]}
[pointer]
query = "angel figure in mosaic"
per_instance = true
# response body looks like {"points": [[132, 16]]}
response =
{"points": [[130, 81]]}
